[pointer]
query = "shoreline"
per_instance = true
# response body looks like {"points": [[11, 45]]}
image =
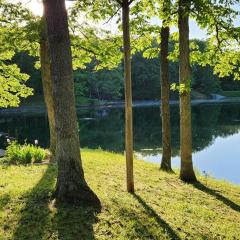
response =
{"points": [[39, 109]]}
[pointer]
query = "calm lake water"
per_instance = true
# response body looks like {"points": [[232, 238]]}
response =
{"points": [[216, 134]]}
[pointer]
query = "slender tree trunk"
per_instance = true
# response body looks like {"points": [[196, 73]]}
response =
{"points": [[186, 174], [71, 185], [47, 85], [128, 96], [165, 108]]}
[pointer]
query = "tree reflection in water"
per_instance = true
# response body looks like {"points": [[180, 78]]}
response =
{"points": [[104, 128]]}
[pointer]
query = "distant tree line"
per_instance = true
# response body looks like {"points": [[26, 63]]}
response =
{"points": [[108, 84]]}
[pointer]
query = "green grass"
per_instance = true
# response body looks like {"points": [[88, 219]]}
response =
{"points": [[231, 93], [163, 207]]}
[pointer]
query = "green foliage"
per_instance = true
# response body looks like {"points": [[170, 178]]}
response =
{"points": [[24, 154], [80, 83], [182, 88], [38, 154], [26, 63], [12, 81], [12, 85], [108, 83], [13, 152], [204, 81], [145, 77], [93, 45], [88, 44], [101, 84], [221, 51]]}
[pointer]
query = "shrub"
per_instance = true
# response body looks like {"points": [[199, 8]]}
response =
{"points": [[24, 154], [13, 152], [38, 154]]}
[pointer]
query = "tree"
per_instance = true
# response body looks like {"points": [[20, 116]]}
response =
{"points": [[102, 84], [144, 10], [106, 9], [128, 95], [187, 173], [47, 84], [165, 92], [29, 37], [71, 184], [29, 34], [221, 52]]}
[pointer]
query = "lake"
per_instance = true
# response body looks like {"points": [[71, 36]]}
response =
{"points": [[216, 134]]}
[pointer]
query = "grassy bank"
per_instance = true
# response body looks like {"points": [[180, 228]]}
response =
{"points": [[162, 208]]}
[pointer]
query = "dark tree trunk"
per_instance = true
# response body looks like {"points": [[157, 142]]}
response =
{"points": [[128, 96], [47, 85], [165, 108], [71, 185], [187, 173]]}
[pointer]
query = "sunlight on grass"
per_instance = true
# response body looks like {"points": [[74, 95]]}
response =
{"points": [[163, 207]]}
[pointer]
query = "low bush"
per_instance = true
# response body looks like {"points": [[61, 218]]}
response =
{"points": [[24, 154], [13, 152], [39, 154]]}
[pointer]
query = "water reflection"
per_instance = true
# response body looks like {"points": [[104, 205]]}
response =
{"points": [[215, 133]]}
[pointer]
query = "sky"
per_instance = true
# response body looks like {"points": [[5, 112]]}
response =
{"points": [[36, 8], [35, 5]]}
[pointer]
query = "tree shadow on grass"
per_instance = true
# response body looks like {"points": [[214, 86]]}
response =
{"points": [[76, 222], [4, 200], [66, 222], [217, 195], [35, 216], [162, 224]]}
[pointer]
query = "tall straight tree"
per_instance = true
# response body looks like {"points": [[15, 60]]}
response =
{"points": [[110, 9], [128, 95], [47, 84], [71, 184], [187, 173], [165, 89]]}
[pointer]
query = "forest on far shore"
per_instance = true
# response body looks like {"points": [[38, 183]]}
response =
{"points": [[108, 84]]}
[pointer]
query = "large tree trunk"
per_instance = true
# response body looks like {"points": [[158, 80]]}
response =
{"points": [[128, 96], [71, 185], [165, 109], [47, 85], [186, 173]]}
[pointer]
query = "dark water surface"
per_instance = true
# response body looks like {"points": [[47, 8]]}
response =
{"points": [[216, 135]]}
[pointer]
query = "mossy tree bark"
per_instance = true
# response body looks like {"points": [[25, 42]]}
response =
{"points": [[47, 85], [187, 173], [128, 96], [71, 185], [165, 108]]}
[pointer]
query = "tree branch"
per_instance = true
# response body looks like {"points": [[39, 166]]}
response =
{"points": [[112, 16], [120, 2]]}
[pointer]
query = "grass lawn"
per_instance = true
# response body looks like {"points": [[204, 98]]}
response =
{"points": [[163, 207]]}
